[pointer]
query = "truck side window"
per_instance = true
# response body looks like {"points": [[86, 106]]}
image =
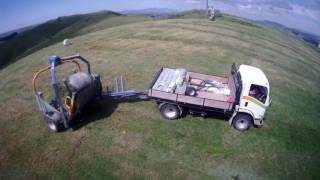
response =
{"points": [[258, 92]]}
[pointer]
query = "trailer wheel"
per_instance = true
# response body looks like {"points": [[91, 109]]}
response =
{"points": [[242, 122], [53, 125], [170, 111]]}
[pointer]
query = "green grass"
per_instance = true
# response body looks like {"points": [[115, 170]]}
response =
{"points": [[130, 140]]}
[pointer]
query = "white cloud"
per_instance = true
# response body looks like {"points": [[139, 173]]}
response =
{"points": [[245, 6], [311, 13], [304, 16], [192, 1]]}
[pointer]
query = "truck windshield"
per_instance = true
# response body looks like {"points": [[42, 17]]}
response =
{"points": [[258, 92]]}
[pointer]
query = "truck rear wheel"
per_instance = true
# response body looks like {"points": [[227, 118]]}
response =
{"points": [[242, 122], [170, 111]]}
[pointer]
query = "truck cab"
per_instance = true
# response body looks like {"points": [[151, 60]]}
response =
{"points": [[253, 99]]}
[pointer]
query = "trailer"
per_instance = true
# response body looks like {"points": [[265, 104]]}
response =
{"points": [[243, 95], [83, 87]]}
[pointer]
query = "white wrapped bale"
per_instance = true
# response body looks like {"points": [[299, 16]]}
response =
{"points": [[169, 79], [67, 42]]}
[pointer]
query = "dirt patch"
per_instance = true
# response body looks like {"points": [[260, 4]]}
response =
{"points": [[3, 159], [46, 157], [99, 62], [129, 140], [124, 144], [231, 138], [192, 49], [59, 152], [237, 169], [140, 53], [76, 139], [128, 169], [13, 109], [118, 121], [95, 47]]}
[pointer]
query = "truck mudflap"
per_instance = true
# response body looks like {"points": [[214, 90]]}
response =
{"points": [[231, 118]]}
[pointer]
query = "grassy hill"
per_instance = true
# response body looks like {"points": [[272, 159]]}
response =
{"points": [[130, 140], [58, 29]]}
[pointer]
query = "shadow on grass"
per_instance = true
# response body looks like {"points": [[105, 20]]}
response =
{"points": [[106, 107], [99, 110], [218, 116], [210, 115]]}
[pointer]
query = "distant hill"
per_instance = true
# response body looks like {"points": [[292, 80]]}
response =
{"points": [[153, 12], [48, 33], [20, 30], [13, 33], [196, 13], [9, 36], [312, 39], [273, 24]]}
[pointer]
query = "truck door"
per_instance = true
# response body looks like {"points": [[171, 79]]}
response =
{"points": [[255, 101]]}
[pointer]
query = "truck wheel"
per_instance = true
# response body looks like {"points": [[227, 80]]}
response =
{"points": [[242, 122], [170, 111]]}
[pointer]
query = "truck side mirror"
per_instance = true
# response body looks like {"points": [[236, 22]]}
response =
{"points": [[270, 102], [233, 69]]}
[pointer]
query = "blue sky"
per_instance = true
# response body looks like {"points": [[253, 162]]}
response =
{"points": [[304, 15]]}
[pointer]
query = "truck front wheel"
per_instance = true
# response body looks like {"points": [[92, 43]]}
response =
{"points": [[242, 122], [170, 111]]}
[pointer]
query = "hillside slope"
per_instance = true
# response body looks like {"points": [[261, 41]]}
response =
{"points": [[130, 140], [58, 29]]}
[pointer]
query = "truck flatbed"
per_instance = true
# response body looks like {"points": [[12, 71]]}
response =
{"points": [[210, 92]]}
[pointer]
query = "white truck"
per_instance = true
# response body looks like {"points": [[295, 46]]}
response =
{"points": [[244, 96]]}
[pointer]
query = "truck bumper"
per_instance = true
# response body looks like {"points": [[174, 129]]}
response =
{"points": [[258, 122]]}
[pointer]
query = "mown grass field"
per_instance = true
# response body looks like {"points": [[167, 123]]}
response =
{"points": [[130, 140]]}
